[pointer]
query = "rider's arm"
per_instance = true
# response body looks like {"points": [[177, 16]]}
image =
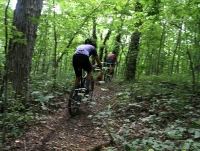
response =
{"points": [[95, 55], [98, 61]]}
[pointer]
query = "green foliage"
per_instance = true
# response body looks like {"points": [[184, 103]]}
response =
{"points": [[167, 85], [153, 114]]}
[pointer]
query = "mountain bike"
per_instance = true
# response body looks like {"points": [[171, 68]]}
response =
{"points": [[78, 94]]}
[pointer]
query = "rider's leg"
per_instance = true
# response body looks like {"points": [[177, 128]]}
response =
{"points": [[77, 69], [89, 75], [88, 69], [88, 79], [111, 69], [77, 81]]}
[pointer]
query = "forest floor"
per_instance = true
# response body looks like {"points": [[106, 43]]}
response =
{"points": [[59, 131], [149, 115]]}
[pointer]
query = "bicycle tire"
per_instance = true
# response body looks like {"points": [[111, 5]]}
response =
{"points": [[74, 101], [105, 76], [92, 84]]}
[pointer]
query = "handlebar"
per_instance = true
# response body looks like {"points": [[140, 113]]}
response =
{"points": [[109, 63], [96, 68]]}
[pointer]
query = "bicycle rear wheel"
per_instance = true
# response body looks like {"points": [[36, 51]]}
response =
{"points": [[106, 70], [74, 101]]}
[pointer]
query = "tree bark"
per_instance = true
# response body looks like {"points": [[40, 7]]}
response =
{"points": [[4, 87], [133, 48], [117, 43], [158, 69], [175, 49], [55, 65], [132, 56], [21, 48], [102, 48]]}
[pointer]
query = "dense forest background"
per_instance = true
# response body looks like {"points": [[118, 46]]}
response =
{"points": [[155, 39]]}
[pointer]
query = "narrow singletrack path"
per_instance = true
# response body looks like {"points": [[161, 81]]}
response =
{"points": [[60, 131]]}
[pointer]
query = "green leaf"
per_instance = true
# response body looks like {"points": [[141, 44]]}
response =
{"points": [[44, 107], [35, 92], [186, 146], [197, 134], [45, 98]]}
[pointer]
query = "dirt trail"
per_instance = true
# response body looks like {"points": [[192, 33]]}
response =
{"points": [[61, 132]]}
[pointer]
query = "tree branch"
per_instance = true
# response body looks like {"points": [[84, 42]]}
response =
{"points": [[72, 38]]}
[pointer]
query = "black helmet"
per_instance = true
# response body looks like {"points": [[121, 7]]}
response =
{"points": [[114, 52], [88, 41]]}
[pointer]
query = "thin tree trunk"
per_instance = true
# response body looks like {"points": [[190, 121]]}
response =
{"points": [[175, 50], [191, 64], [197, 44], [5, 80], [117, 43], [55, 50], [102, 48], [148, 60], [94, 36], [178, 64], [192, 69], [44, 60], [160, 48], [94, 31]]}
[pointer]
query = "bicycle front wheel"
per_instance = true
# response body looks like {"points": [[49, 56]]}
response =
{"points": [[74, 101]]}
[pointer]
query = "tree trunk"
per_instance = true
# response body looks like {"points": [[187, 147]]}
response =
{"points": [[55, 65], [133, 48], [160, 48], [117, 43], [102, 48], [191, 63], [21, 49], [4, 87], [94, 31], [132, 56], [192, 70], [175, 50]]}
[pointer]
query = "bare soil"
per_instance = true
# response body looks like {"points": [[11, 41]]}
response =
{"points": [[61, 132]]}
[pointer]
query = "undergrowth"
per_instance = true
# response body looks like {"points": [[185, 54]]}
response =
{"points": [[153, 114], [18, 117]]}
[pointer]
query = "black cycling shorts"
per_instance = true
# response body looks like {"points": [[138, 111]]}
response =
{"points": [[110, 61], [81, 62]]}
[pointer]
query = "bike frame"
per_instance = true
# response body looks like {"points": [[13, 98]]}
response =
{"points": [[78, 94]]}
